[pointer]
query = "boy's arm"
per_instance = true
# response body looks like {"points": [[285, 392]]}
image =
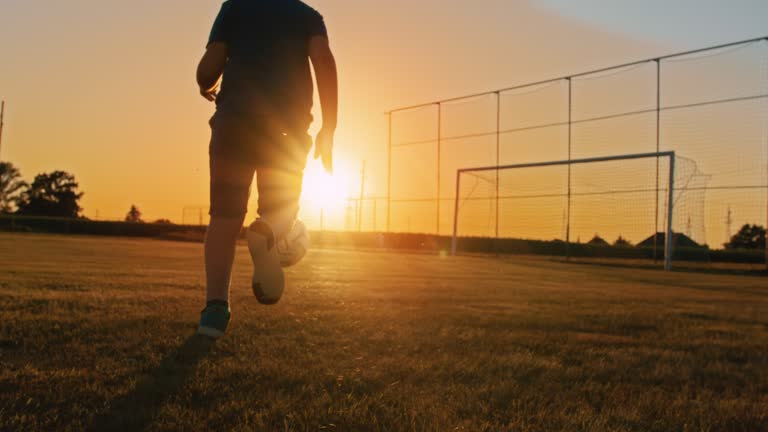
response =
{"points": [[328, 88], [211, 68], [214, 60]]}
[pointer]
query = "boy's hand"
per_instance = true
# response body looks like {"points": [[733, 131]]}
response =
{"points": [[210, 94], [324, 148]]}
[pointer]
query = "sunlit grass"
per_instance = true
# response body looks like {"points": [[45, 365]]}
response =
{"points": [[96, 333]]}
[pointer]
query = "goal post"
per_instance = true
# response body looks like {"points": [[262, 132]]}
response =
{"points": [[538, 193]]}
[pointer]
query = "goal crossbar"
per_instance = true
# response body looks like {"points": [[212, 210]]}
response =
{"points": [[670, 206], [670, 154]]}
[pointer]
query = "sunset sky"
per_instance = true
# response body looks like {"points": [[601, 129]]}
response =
{"points": [[106, 89]]}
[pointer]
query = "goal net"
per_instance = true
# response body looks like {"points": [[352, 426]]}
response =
{"points": [[628, 206]]}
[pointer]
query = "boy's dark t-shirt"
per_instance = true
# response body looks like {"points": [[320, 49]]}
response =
{"points": [[267, 81]]}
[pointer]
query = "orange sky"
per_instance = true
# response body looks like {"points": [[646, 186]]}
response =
{"points": [[106, 89]]}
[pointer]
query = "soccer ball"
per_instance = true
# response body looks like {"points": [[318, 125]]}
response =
{"points": [[292, 248]]}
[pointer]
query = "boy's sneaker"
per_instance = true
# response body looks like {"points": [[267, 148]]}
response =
{"points": [[213, 321], [268, 278]]}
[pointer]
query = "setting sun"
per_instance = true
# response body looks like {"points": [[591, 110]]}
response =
{"points": [[323, 191]]}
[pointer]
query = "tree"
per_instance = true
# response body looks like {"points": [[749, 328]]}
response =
{"points": [[11, 187], [748, 237], [622, 242], [53, 194], [134, 215], [597, 241]]}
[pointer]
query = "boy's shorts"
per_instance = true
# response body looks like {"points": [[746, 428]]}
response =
{"points": [[278, 158]]}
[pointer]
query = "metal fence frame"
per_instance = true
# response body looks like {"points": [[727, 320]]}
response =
{"points": [[569, 123]]}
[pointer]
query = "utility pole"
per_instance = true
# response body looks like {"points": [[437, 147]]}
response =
{"points": [[360, 203], [729, 225], [2, 115]]}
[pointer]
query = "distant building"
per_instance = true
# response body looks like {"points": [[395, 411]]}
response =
{"points": [[678, 240], [598, 241]]}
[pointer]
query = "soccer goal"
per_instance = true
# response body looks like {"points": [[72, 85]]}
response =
{"points": [[621, 206]]}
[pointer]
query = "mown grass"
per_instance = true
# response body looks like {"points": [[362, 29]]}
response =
{"points": [[97, 333]]}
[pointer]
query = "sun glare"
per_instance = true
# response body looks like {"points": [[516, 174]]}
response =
{"points": [[323, 191]]}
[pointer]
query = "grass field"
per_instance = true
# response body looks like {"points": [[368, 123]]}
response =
{"points": [[97, 333]]}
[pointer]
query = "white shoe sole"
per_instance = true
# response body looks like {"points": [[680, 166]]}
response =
{"points": [[268, 281]]}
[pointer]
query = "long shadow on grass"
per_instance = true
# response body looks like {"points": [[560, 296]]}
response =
{"points": [[136, 410]]}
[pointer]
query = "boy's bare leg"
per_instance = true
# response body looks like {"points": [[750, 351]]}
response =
{"points": [[220, 244], [230, 188]]}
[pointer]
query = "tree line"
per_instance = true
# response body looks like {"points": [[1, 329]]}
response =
{"points": [[54, 194], [749, 237]]}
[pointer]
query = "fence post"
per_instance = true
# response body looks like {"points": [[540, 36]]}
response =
{"points": [[670, 212], [766, 197], [389, 175], [454, 240], [498, 159], [658, 149], [439, 150], [570, 156]]}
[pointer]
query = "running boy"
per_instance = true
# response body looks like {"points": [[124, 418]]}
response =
{"points": [[263, 50]]}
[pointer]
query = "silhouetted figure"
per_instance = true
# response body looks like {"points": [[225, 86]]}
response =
{"points": [[263, 111]]}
